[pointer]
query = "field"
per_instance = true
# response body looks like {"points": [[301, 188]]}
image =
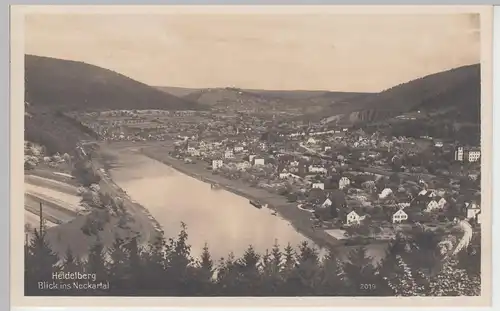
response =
{"points": [[59, 201]]}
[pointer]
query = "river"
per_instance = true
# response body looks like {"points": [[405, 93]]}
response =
{"points": [[223, 220]]}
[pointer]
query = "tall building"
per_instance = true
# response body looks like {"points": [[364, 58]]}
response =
{"points": [[469, 154]]}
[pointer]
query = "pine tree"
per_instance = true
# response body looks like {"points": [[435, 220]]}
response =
{"points": [[289, 257], [249, 272], [202, 278], [276, 258], [272, 266], [333, 276], [134, 266], [119, 275], [401, 279], [96, 263], [453, 281], [179, 264], [360, 273], [307, 272], [228, 277], [71, 263], [41, 262]]}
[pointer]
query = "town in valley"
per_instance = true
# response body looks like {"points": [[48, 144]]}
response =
{"points": [[161, 190]]}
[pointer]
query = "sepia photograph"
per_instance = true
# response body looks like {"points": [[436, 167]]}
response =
{"points": [[258, 152]]}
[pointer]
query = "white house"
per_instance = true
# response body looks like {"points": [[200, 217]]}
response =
{"points": [[399, 216], [403, 205], [442, 202], [327, 148], [459, 154], [242, 166], [385, 193], [344, 182], [317, 169], [327, 203], [318, 185], [432, 205], [472, 209], [438, 143], [229, 154], [311, 141], [259, 161], [469, 154], [216, 164], [285, 175], [294, 163], [238, 149], [474, 155], [251, 157], [353, 218]]}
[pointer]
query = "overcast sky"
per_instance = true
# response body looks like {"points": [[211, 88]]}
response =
{"points": [[313, 52]]}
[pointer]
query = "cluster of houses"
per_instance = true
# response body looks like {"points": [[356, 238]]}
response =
{"points": [[427, 201], [308, 175], [234, 143]]}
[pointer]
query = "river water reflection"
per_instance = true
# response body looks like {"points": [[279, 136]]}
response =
{"points": [[227, 222]]}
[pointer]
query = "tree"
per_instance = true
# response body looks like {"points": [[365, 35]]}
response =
{"points": [[204, 274], [306, 275], [167, 269], [453, 281], [96, 262], [71, 263], [179, 263], [40, 262], [401, 280], [359, 270], [333, 277], [119, 274]]}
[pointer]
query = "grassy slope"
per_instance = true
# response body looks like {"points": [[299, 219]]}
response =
{"points": [[53, 86]]}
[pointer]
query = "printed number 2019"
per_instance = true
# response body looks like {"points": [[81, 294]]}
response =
{"points": [[367, 286]]}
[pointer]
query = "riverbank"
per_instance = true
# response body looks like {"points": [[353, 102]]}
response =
{"points": [[143, 222], [300, 220]]}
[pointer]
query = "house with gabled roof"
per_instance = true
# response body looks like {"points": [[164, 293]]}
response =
{"points": [[478, 217], [318, 185], [216, 164], [326, 203], [399, 216], [344, 182], [432, 205], [472, 209], [385, 193], [353, 218], [442, 202]]}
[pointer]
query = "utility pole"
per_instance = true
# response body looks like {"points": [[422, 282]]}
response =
{"points": [[41, 218]]}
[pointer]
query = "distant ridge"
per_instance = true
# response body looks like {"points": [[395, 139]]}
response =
{"points": [[53, 86], [298, 100], [284, 94], [72, 85], [456, 89]]}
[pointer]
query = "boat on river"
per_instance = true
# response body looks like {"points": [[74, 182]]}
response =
{"points": [[256, 204], [215, 186]]}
